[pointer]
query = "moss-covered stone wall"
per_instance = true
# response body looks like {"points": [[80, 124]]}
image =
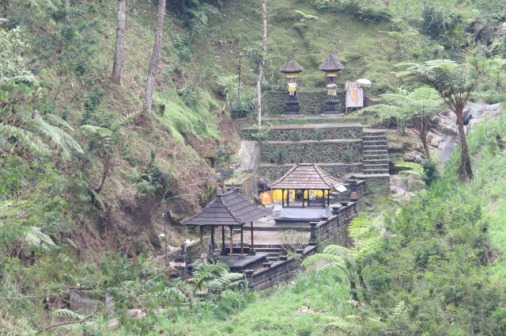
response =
{"points": [[295, 133], [311, 102], [329, 151]]}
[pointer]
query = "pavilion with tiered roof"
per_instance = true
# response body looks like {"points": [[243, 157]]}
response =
{"points": [[230, 210]]}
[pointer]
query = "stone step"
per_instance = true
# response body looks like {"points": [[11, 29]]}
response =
{"points": [[374, 143], [376, 156], [375, 166], [375, 171], [368, 162], [374, 137], [375, 147], [368, 151]]}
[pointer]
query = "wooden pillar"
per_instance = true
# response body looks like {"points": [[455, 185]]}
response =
{"points": [[242, 241], [212, 238], [328, 197], [201, 239], [303, 199], [252, 243], [282, 198], [288, 198], [323, 198], [231, 243], [223, 238]]}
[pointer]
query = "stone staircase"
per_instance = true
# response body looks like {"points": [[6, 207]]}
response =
{"points": [[375, 152]]}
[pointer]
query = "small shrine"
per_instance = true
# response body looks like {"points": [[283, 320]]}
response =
{"points": [[230, 210], [331, 66], [291, 71], [306, 193]]}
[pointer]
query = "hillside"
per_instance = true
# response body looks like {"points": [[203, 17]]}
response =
{"points": [[85, 186]]}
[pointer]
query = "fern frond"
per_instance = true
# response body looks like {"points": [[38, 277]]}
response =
{"points": [[306, 16], [25, 138], [415, 168], [175, 294], [321, 257], [58, 122], [61, 138], [68, 313], [36, 238], [336, 250]]}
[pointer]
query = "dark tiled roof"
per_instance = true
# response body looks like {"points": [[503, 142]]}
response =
{"points": [[306, 176], [331, 63], [229, 209], [291, 67]]}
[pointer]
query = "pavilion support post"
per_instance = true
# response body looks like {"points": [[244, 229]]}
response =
{"points": [[231, 243], [202, 239], [288, 198], [328, 197], [303, 191], [282, 198], [222, 238], [242, 241], [252, 242], [323, 198], [212, 238]]}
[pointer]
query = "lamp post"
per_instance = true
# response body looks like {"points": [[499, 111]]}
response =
{"points": [[163, 236], [332, 66], [291, 71]]}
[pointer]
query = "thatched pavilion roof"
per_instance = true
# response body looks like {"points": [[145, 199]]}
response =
{"points": [[331, 63], [229, 209], [306, 176], [291, 67]]}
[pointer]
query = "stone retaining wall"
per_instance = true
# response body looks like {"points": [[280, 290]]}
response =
{"points": [[335, 228], [328, 151], [311, 102], [304, 133]]}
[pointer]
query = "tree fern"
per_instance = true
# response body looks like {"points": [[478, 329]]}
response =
{"points": [[24, 138], [58, 136], [227, 281], [208, 271]]}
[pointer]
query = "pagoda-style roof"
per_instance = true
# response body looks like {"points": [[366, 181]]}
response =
{"points": [[291, 67], [229, 209], [307, 176], [331, 63]]}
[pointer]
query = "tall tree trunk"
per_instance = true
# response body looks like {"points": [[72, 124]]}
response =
{"points": [[155, 59], [120, 39], [465, 171], [423, 139], [262, 62]]}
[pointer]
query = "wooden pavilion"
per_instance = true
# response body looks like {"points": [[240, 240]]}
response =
{"points": [[230, 209], [304, 178]]}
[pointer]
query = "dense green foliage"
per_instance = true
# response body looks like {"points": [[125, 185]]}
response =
{"points": [[83, 187]]}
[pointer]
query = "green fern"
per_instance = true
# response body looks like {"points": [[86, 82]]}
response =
{"points": [[34, 237], [226, 281], [24, 138], [58, 136], [67, 314], [208, 271], [414, 168]]}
